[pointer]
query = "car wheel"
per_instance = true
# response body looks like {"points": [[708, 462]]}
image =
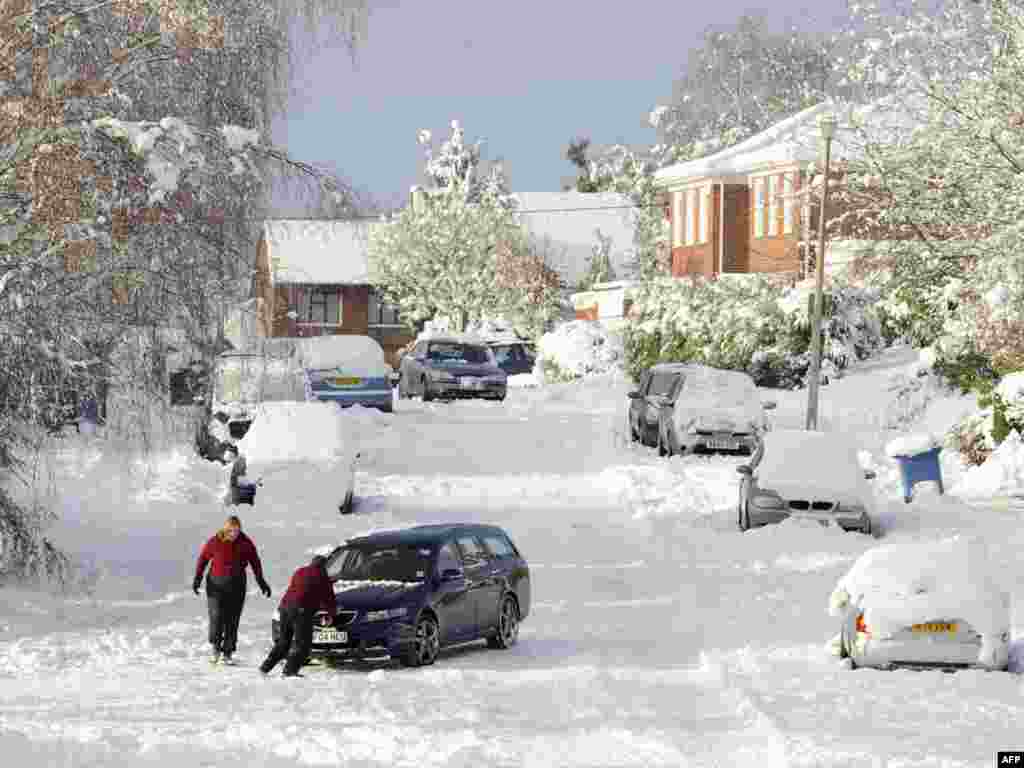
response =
{"points": [[662, 450], [744, 520], [633, 436], [508, 625], [427, 396], [427, 645], [402, 394], [387, 407]]}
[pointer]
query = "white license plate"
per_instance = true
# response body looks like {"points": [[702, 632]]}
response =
{"points": [[470, 383], [724, 445], [329, 636]]}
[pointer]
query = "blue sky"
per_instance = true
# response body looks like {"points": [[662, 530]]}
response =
{"points": [[526, 77]]}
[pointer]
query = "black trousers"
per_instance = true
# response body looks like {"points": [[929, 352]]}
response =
{"points": [[225, 596], [294, 641]]}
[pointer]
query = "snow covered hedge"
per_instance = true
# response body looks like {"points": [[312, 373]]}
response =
{"points": [[751, 323], [576, 349], [1002, 414]]}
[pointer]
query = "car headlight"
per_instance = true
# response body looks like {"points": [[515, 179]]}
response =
{"points": [[766, 501], [441, 376], [392, 613]]}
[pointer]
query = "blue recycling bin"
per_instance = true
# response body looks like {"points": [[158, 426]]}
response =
{"points": [[919, 468]]}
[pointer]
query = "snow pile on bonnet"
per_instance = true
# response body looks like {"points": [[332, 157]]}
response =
{"points": [[911, 445], [295, 432], [800, 464], [576, 349], [919, 581], [1001, 474]]}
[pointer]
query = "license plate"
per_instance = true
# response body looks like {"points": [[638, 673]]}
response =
{"points": [[934, 628], [469, 383], [330, 635], [724, 445], [345, 381]]}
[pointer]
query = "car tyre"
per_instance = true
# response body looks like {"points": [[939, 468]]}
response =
{"points": [[744, 521], [427, 395], [508, 625], [424, 650], [662, 450], [633, 436]]}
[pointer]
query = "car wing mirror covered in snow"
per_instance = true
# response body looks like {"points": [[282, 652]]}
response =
{"points": [[744, 469], [452, 574], [870, 474]]}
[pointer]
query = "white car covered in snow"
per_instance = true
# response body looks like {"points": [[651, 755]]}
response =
{"points": [[305, 436], [923, 604], [806, 474]]}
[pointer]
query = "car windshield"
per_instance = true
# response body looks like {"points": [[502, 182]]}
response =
{"points": [[400, 562], [459, 353]]}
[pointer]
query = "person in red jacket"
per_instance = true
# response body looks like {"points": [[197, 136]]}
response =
{"points": [[229, 551], [309, 591]]}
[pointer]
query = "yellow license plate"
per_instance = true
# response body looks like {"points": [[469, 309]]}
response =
{"points": [[345, 381], [934, 627]]}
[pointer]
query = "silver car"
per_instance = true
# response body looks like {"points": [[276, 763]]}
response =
{"points": [[812, 475], [449, 367]]}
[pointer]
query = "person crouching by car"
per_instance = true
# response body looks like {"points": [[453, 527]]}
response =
{"points": [[229, 551], [309, 590]]}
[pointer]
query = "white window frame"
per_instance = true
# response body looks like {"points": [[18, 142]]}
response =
{"points": [[703, 211], [678, 219], [773, 205], [788, 203], [691, 216], [759, 207]]}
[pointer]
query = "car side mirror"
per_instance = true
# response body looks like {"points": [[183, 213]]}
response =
{"points": [[452, 574], [634, 395], [769, 405], [870, 474], [744, 469], [395, 376]]}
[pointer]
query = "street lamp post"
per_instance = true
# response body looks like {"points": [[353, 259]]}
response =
{"points": [[828, 129]]}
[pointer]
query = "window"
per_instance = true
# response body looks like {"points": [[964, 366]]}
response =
{"points": [[663, 383], [787, 203], [702, 214], [758, 207], [459, 353], [691, 216], [498, 545], [773, 205], [379, 312], [504, 353], [678, 218], [402, 562], [324, 306], [473, 552]]}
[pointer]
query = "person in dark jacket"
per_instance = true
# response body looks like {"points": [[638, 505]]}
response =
{"points": [[309, 590], [229, 551]]}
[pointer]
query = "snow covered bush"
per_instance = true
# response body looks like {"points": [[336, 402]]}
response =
{"points": [[1002, 415], [576, 349], [752, 323]]}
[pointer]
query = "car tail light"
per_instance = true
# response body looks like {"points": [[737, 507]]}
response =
{"points": [[862, 628]]}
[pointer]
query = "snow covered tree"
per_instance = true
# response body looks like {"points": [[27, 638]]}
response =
{"points": [[599, 269], [455, 162], [441, 260], [529, 290]]}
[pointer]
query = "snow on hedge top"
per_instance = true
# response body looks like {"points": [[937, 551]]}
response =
{"points": [[911, 445], [294, 431], [319, 252], [1011, 387], [356, 355], [717, 400], [913, 582], [581, 347], [820, 465]]}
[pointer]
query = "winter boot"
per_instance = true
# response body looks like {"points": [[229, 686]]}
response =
{"points": [[215, 657], [228, 660]]}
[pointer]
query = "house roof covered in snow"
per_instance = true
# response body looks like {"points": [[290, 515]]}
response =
{"points": [[319, 251], [565, 224], [797, 139]]}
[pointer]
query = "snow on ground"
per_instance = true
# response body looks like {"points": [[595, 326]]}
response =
{"points": [[659, 635]]}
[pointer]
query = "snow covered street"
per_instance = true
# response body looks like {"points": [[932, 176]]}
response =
{"points": [[659, 634]]}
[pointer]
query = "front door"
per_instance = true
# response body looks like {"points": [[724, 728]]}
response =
{"points": [[455, 603], [484, 585]]}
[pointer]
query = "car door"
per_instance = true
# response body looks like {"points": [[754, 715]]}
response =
{"points": [[454, 603], [483, 584], [654, 400]]}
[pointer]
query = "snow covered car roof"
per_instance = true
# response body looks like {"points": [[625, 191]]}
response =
{"points": [[797, 463], [907, 582], [357, 355]]}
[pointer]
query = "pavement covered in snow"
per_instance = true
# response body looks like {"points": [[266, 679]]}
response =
{"points": [[659, 636]]}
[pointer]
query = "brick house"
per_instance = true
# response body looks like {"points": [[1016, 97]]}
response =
{"points": [[749, 209], [313, 278]]}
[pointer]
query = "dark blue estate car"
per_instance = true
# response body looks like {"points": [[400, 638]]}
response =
{"points": [[408, 593]]}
